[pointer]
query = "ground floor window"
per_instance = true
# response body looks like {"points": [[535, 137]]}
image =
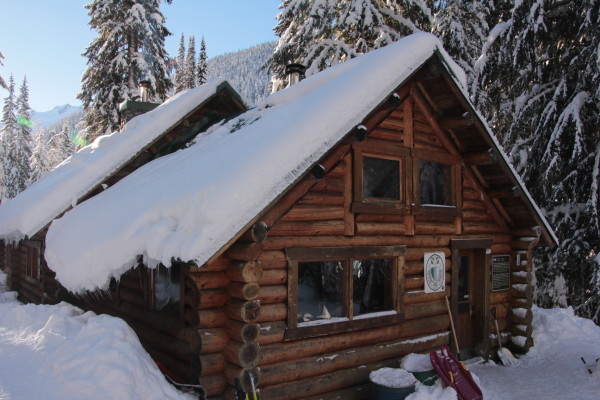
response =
{"points": [[343, 287]]}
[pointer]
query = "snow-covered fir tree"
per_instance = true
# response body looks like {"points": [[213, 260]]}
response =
{"points": [[15, 140], [38, 163], [180, 69], [202, 64], [60, 145], [322, 33], [462, 27], [190, 64], [129, 48], [541, 70], [23, 139]]}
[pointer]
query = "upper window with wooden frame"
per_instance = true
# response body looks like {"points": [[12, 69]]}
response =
{"points": [[381, 178], [337, 289], [436, 183]]}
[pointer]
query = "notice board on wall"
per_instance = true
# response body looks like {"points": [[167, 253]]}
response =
{"points": [[500, 272]]}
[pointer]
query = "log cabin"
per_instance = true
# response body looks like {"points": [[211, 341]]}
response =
{"points": [[334, 227]]}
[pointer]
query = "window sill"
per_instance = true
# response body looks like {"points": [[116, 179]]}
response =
{"points": [[322, 327]]}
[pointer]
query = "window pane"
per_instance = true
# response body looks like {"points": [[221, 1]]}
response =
{"points": [[320, 290], [435, 183], [167, 289], [381, 178], [372, 281]]}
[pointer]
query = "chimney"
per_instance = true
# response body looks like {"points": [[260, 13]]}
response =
{"points": [[295, 73], [130, 109]]}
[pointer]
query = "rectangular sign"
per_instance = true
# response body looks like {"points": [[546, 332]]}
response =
{"points": [[435, 272], [500, 272]]}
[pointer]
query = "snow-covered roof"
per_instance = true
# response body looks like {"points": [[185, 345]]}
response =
{"points": [[191, 203], [65, 185]]}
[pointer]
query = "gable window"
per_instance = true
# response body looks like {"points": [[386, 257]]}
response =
{"points": [[435, 183], [342, 288], [380, 173], [166, 289]]}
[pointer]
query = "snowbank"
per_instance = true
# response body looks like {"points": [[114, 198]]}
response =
{"points": [[59, 352]]}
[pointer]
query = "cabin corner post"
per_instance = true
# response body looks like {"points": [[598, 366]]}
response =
{"points": [[521, 292], [242, 351]]}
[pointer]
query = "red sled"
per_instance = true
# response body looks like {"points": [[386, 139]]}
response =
{"points": [[454, 373]]}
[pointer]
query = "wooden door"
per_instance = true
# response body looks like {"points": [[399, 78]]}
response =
{"points": [[465, 302]]}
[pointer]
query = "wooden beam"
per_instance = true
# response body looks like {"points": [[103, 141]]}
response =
{"points": [[487, 157], [463, 121]]}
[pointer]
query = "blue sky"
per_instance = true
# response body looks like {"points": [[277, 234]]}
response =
{"points": [[44, 39]]}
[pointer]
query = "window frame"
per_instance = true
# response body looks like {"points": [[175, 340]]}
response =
{"points": [[151, 290], [297, 255], [453, 161], [33, 260], [388, 151]]}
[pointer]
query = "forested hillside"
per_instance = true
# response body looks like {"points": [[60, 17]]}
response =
{"points": [[244, 70]]}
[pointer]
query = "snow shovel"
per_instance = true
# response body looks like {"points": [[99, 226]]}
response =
{"points": [[505, 355]]}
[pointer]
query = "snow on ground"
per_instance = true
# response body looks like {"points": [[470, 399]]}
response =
{"points": [[59, 352]]}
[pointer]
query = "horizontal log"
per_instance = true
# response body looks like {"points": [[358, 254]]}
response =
{"points": [[211, 364], [292, 370], [380, 228], [274, 259], [499, 297], [418, 253], [521, 302], [480, 227], [243, 291], [477, 216], [244, 251], [521, 319], [422, 297], [272, 332], [358, 392], [241, 331], [313, 213], [324, 199], [245, 311], [213, 384], [387, 133], [273, 312], [190, 316], [249, 271], [209, 280], [211, 318], [521, 277], [525, 243], [272, 294], [218, 264], [212, 340], [432, 228], [473, 206], [307, 228], [234, 372], [212, 298], [245, 355], [279, 352], [330, 185], [273, 277], [534, 231], [282, 242], [422, 310], [256, 233]]}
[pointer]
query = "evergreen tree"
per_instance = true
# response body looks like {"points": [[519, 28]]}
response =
{"points": [[38, 162], [129, 48], [462, 27], [60, 145], [23, 139], [8, 132], [190, 64], [541, 69], [322, 33], [202, 74], [2, 82], [180, 67]]}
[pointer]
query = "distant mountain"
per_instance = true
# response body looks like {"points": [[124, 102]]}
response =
{"points": [[243, 70], [44, 119]]}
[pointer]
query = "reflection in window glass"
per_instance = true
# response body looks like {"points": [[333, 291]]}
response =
{"points": [[381, 178], [435, 183], [372, 291], [320, 290], [167, 289]]}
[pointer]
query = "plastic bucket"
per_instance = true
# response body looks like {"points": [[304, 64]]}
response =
{"points": [[380, 392], [427, 378]]}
